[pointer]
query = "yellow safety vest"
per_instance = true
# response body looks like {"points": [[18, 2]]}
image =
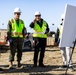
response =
{"points": [[40, 31], [16, 30], [60, 31]]}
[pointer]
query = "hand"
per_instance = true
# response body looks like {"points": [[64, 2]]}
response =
{"points": [[34, 20], [45, 31]]}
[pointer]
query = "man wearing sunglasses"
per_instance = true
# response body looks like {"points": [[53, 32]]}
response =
{"points": [[15, 34], [41, 29]]}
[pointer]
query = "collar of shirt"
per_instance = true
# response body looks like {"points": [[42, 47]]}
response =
{"points": [[40, 22], [17, 21]]}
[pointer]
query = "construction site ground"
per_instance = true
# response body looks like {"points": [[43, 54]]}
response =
{"points": [[52, 60]]}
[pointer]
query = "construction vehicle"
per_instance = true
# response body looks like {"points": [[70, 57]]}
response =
{"points": [[3, 39]]}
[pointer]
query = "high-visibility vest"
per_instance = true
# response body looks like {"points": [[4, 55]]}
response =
{"points": [[16, 30], [60, 30], [40, 31]]}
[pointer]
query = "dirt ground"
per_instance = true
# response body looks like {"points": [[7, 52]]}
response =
{"points": [[52, 60]]}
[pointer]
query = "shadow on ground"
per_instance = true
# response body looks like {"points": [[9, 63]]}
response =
{"points": [[50, 74], [32, 70]]}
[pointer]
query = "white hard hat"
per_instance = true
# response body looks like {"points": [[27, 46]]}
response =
{"points": [[37, 13], [17, 10], [62, 16]]}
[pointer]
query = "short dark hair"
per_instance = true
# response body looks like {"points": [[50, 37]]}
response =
{"points": [[62, 19]]}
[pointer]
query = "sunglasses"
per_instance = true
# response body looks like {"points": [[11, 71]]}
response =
{"points": [[18, 13], [37, 15]]}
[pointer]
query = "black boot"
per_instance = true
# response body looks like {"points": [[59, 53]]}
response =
{"points": [[34, 65], [41, 65], [19, 64]]}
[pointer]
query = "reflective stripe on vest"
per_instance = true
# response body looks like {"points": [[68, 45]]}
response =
{"points": [[17, 30], [40, 31]]}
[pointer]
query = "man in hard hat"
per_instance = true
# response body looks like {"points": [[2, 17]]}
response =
{"points": [[41, 29], [15, 34], [65, 51]]}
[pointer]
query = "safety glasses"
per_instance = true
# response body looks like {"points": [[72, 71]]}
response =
{"points": [[18, 13], [37, 15]]}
